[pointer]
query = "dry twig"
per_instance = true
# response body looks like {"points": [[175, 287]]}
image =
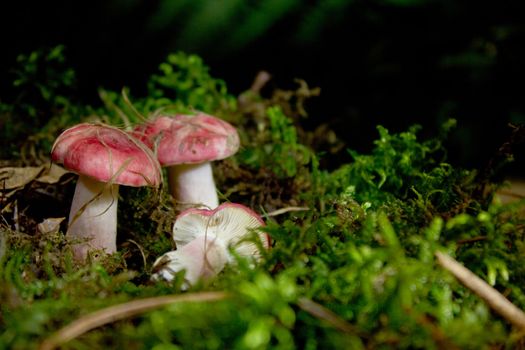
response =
{"points": [[491, 296]]}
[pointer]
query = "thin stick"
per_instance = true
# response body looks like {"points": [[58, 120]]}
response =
{"points": [[491, 296], [323, 313], [120, 312], [471, 240], [286, 210]]}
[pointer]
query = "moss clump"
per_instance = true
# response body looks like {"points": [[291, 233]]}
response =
{"points": [[352, 262]]}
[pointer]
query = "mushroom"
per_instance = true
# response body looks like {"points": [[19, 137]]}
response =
{"points": [[204, 237], [104, 157], [187, 144], [204, 257]]}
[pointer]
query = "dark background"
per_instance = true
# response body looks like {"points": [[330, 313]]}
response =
{"points": [[391, 62]]}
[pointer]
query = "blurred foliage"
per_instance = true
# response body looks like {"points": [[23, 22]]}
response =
{"points": [[351, 265], [41, 82], [185, 80], [42, 76], [389, 62], [203, 22], [184, 85]]}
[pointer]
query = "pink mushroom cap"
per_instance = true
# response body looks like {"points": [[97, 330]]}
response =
{"points": [[230, 222], [189, 139], [106, 154]]}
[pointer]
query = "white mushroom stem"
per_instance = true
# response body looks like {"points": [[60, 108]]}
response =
{"points": [[202, 258], [192, 185], [93, 217]]}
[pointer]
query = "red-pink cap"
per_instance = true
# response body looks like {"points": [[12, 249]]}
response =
{"points": [[106, 154], [189, 139]]}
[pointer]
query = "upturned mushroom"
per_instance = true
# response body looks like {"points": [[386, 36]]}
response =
{"points": [[104, 157], [204, 239], [186, 144]]}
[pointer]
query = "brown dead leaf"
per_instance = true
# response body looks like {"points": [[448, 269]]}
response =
{"points": [[52, 174], [5, 204], [18, 177], [11, 178]]}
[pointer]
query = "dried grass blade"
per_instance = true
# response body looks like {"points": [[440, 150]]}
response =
{"points": [[120, 312], [327, 315]]}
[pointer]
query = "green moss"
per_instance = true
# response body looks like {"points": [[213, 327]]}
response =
{"points": [[352, 268]]}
